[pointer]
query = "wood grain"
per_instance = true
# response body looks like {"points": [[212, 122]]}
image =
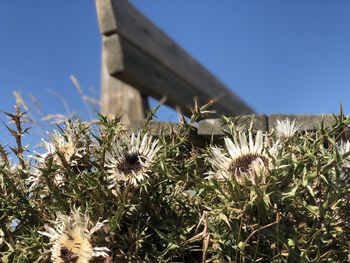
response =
{"points": [[118, 98], [106, 20], [173, 73]]}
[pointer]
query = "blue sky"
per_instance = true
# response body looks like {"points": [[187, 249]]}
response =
{"points": [[280, 56]]}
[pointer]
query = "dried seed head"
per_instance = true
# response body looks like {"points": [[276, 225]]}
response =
{"points": [[130, 159], [71, 239], [248, 162], [130, 163], [243, 164]]}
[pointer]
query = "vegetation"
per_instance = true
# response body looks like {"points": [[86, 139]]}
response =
{"points": [[98, 193]]}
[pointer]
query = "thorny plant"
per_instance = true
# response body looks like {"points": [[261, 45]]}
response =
{"points": [[104, 194]]}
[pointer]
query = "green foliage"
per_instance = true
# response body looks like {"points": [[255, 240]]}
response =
{"points": [[176, 212]]}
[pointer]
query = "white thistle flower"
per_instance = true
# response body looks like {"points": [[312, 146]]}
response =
{"points": [[71, 238], [343, 148], [286, 128], [130, 159], [248, 160], [71, 143], [36, 179], [1, 236], [63, 144]]}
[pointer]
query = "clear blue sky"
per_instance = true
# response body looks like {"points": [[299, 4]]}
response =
{"points": [[280, 56]]}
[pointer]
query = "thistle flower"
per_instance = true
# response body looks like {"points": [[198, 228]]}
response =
{"points": [[1, 236], [248, 160], [36, 179], [63, 144], [71, 238], [343, 148], [130, 159], [286, 128], [72, 144]]}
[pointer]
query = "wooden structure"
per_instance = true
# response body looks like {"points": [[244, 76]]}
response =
{"points": [[266, 123], [139, 60], [214, 129]]}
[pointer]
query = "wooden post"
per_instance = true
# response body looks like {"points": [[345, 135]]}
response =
{"points": [[119, 99], [141, 55], [137, 53]]}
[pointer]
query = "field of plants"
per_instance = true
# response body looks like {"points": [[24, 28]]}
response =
{"points": [[99, 193]]}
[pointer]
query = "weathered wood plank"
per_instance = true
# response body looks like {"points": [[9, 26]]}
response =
{"points": [[137, 67], [308, 122], [118, 98], [157, 128], [215, 127], [137, 33], [113, 53], [106, 20]]}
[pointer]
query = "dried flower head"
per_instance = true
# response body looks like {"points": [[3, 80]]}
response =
{"points": [[248, 160], [63, 144], [286, 128], [343, 148], [1, 236], [36, 179], [130, 159], [71, 143], [71, 239]]}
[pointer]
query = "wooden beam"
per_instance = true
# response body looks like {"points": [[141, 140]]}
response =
{"points": [[147, 59], [135, 71], [307, 122], [215, 127], [267, 123]]}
